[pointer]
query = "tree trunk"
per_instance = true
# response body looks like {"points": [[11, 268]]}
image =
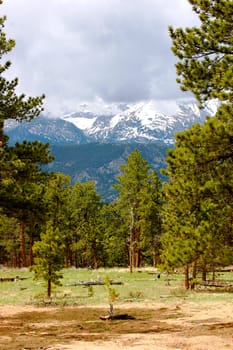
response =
{"points": [[213, 274], [49, 286], [194, 275], [31, 259], [204, 273], [138, 250], [186, 276], [22, 244], [95, 262], [155, 256], [131, 240]]}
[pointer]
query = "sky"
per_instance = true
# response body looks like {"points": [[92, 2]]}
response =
{"points": [[95, 51]]}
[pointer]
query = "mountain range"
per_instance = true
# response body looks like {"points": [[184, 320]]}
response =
{"points": [[140, 123], [91, 145]]}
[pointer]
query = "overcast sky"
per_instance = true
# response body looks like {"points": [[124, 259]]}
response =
{"points": [[79, 51]]}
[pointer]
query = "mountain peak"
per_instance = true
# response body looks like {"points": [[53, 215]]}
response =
{"points": [[143, 122]]}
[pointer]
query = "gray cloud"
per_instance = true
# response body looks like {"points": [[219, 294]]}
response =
{"points": [[83, 50]]}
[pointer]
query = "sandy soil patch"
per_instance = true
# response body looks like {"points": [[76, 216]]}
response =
{"points": [[162, 326]]}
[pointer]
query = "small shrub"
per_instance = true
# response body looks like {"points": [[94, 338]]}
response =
{"points": [[90, 291], [136, 294]]}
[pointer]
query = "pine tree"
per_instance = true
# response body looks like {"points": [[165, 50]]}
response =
{"points": [[49, 257], [136, 203], [9, 241], [22, 185], [198, 211], [84, 224], [205, 53], [115, 235], [56, 197]]}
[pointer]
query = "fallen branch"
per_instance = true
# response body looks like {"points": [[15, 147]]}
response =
{"points": [[11, 279], [92, 283]]}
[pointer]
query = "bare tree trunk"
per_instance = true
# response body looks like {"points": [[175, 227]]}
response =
{"points": [[31, 259], [204, 273], [22, 244], [138, 250], [49, 286], [186, 276], [131, 241], [194, 275]]}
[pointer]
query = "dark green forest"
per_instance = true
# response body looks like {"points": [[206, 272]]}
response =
{"points": [[100, 162], [50, 221]]}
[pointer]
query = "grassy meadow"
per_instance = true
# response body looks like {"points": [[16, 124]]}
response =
{"points": [[139, 286]]}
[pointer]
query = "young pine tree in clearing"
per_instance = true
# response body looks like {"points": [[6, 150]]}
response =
{"points": [[49, 257]]}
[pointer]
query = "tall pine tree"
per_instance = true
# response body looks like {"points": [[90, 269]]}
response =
{"points": [[137, 197], [198, 210]]}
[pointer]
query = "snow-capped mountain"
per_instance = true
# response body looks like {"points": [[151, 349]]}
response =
{"points": [[141, 122]]}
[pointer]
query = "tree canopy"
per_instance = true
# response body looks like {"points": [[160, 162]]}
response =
{"points": [[139, 202], [205, 53]]}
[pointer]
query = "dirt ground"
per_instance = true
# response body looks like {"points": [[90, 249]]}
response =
{"points": [[163, 326]]}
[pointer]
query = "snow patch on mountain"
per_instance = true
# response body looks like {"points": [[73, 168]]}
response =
{"points": [[82, 123]]}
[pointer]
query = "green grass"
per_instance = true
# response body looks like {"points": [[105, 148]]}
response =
{"points": [[139, 286]]}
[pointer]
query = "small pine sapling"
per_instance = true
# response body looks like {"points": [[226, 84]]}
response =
{"points": [[112, 295]]}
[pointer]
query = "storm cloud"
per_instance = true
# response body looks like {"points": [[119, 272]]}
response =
{"points": [[79, 51]]}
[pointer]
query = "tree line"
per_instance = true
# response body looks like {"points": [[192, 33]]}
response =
{"points": [[185, 222]]}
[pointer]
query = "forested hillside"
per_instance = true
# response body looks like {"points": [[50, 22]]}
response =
{"points": [[101, 162]]}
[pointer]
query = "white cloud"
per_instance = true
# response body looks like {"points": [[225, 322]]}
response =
{"points": [[82, 50]]}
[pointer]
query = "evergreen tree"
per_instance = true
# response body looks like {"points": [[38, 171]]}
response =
{"points": [[84, 224], [151, 221], [9, 241], [136, 201], [22, 185], [205, 53], [49, 257], [198, 211], [115, 236], [56, 197], [183, 212]]}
